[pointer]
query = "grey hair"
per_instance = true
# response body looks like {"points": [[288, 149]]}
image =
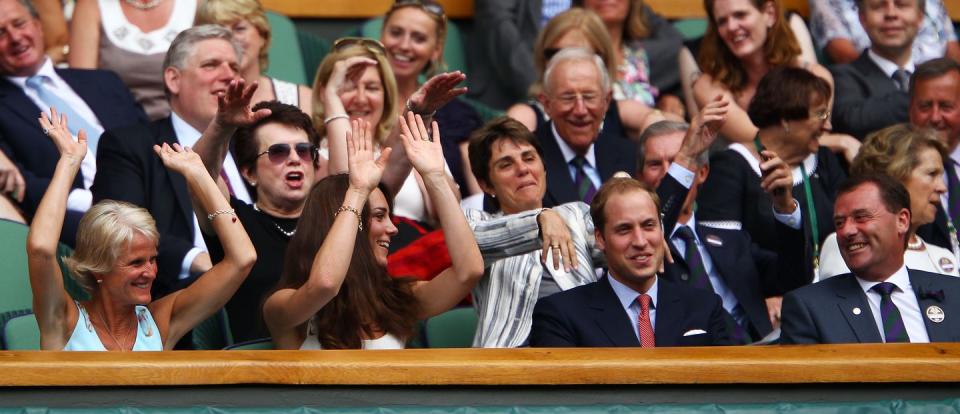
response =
{"points": [[663, 128], [577, 54], [30, 9]]}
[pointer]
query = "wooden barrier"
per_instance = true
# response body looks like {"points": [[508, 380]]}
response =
{"points": [[890, 363]]}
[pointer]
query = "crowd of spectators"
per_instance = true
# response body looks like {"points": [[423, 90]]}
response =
{"points": [[788, 201]]}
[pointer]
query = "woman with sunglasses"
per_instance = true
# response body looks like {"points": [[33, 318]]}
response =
{"points": [[329, 299], [276, 152], [248, 22], [115, 261], [355, 81], [581, 28]]}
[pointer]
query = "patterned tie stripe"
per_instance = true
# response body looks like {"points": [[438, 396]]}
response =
{"points": [[644, 327], [583, 184], [698, 273], [893, 328]]}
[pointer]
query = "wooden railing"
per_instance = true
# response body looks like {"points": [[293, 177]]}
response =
{"points": [[888, 363]]}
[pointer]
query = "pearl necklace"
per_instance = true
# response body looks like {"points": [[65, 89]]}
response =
{"points": [[147, 5], [280, 229], [918, 245]]}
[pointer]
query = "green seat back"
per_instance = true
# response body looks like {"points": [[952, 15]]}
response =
{"points": [[313, 49], [15, 293], [452, 329], [691, 28], [286, 63], [21, 333], [213, 333]]}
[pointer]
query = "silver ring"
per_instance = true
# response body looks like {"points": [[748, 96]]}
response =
{"points": [[46, 131]]}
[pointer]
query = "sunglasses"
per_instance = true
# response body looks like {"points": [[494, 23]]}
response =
{"points": [[427, 6], [373, 46], [278, 153]]}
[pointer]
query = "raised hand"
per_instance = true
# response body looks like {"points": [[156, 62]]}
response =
{"points": [[437, 92], [180, 159], [346, 69], [423, 150], [233, 106], [55, 127], [365, 171], [705, 126], [777, 180]]}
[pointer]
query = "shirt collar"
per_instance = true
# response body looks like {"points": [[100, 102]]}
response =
{"points": [[628, 296], [186, 134], [691, 223], [568, 153], [900, 278], [46, 69], [887, 66]]}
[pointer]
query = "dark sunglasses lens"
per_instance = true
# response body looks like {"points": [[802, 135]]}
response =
{"points": [[305, 151], [278, 152]]}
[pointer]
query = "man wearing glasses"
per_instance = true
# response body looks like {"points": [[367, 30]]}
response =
{"points": [[577, 156]]}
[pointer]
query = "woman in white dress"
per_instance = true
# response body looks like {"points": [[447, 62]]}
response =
{"points": [[334, 291], [915, 158]]}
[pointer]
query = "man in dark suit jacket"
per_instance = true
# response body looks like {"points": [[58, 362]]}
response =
{"points": [[97, 96], [200, 63], [506, 31], [576, 95], [871, 92], [881, 300], [631, 306], [935, 103]]}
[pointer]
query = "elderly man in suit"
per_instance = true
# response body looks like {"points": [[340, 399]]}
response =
{"points": [[198, 67], [631, 305], [93, 100], [871, 92], [578, 158], [881, 300], [935, 103]]}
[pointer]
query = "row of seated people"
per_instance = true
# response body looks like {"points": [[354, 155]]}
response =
{"points": [[576, 120]]}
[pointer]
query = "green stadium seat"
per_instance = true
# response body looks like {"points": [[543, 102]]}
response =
{"points": [[21, 333], [452, 329], [313, 49], [213, 333], [286, 61]]}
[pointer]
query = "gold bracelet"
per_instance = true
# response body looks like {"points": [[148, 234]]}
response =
{"points": [[214, 215], [355, 212]]}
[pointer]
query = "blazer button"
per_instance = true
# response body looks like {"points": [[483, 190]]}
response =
{"points": [[684, 277]]}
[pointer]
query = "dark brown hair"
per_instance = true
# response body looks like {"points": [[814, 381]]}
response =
{"points": [[892, 193], [245, 142], [716, 60], [480, 149], [369, 300], [617, 185], [785, 93], [932, 69]]}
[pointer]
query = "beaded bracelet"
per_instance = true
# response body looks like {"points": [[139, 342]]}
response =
{"points": [[354, 211], [214, 215], [333, 117]]}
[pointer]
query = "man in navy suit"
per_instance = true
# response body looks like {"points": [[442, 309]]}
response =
{"points": [[200, 64], [577, 156], [881, 300], [724, 261], [30, 84], [630, 306], [871, 92]]}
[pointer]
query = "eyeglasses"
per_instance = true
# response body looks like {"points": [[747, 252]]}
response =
{"points": [[373, 46], [427, 6], [822, 114], [278, 153], [590, 100]]}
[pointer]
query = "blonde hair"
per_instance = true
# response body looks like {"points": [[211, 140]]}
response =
{"points": [[437, 65], [589, 25], [228, 11], [894, 150], [389, 117], [104, 232]]}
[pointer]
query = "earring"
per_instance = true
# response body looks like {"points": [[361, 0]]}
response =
{"points": [[253, 183], [99, 281]]}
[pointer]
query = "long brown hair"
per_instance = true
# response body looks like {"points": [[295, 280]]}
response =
{"points": [[369, 300], [716, 60]]}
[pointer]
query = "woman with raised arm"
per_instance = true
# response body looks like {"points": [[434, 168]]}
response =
{"points": [[327, 299], [115, 261]]}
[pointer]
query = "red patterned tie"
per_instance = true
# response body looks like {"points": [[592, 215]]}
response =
{"points": [[643, 322]]}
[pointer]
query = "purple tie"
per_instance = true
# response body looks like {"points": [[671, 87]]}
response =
{"points": [[583, 184], [893, 328]]}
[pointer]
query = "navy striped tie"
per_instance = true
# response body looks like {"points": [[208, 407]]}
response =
{"points": [[583, 184], [893, 327]]}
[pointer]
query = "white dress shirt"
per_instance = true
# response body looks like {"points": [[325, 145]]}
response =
{"points": [[589, 167], [906, 301]]}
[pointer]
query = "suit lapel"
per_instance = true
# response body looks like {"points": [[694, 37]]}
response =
{"points": [[16, 102], [670, 314], [85, 90], [165, 133], [938, 332], [610, 316], [873, 73], [850, 297], [559, 183]]}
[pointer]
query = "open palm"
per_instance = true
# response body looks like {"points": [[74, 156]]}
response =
{"points": [[423, 149], [365, 170], [56, 128]]}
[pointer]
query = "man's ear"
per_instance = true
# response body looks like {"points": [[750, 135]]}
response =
{"points": [[702, 174], [598, 234], [171, 78], [903, 221]]}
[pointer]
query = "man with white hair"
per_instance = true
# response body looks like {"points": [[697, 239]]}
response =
{"points": [[577, 155]]}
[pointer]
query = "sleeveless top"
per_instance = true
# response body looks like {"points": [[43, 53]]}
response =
{"points": [[387, 341], [137, 57], [286, 92], [84, 336]]}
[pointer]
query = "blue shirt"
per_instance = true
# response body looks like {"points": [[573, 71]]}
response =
{"points": [[628, 299]]}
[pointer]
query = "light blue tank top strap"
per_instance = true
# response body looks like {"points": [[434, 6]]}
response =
{"points": [[85, 338]]}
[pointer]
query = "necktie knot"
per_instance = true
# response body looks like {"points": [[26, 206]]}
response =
{"points": [[644, 300], [36, 81], [685, 234], [902, 78], [884, 288], [578, 161]]}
